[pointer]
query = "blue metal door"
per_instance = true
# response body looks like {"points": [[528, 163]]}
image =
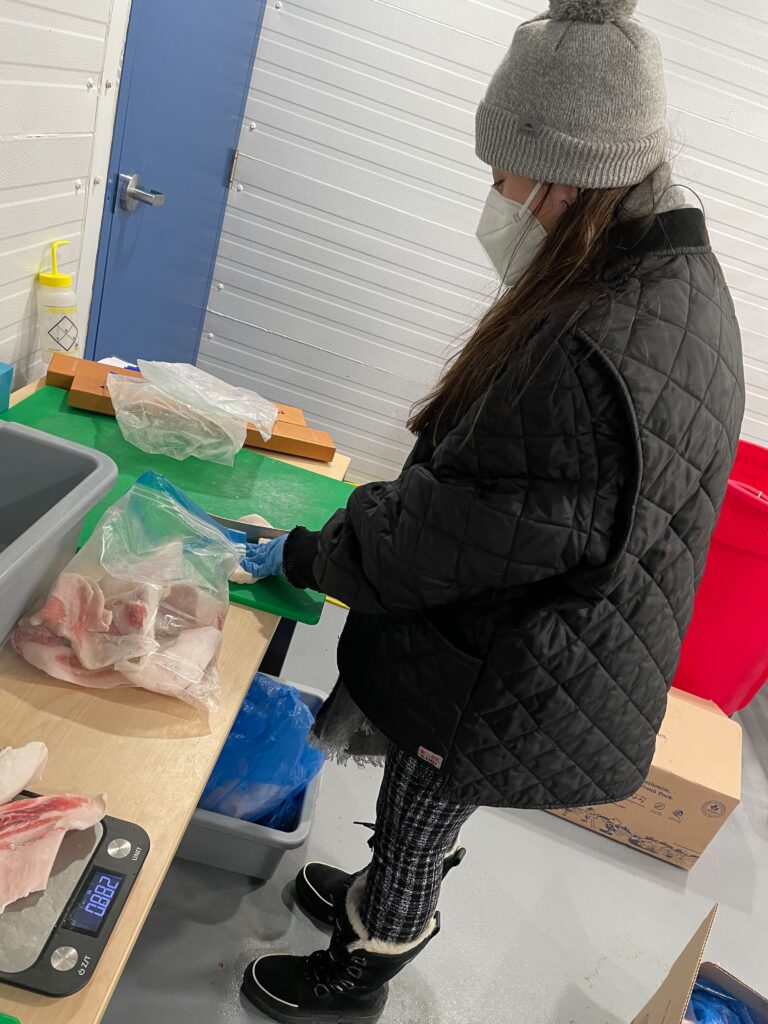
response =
{"points": [[185, 79]]}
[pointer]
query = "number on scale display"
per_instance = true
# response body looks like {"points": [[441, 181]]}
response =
{"points": [[95, 899], [102, 894]]}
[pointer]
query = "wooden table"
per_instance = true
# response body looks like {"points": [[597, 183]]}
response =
{"points": [[151, 755]]}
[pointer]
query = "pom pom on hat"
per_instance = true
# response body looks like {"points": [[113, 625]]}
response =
{"points": [[596, 11]]}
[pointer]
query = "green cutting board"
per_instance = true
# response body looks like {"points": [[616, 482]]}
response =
{"points": [[284, 495]]}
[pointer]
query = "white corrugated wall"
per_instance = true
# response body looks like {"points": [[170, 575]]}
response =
{"points": [[348, 266], [56, 117]]}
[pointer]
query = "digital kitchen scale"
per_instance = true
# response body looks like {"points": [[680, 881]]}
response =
{"points": [[51, 941]]}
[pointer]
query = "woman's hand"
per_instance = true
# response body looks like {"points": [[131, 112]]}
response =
{"points": [[263, 560]]}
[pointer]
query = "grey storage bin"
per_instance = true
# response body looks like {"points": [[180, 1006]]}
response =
{"points": [[47, 487], [241, 846]]}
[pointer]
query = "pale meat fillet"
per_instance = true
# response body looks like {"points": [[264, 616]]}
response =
{"points": [[26, 869], [138, 628], [186, 607], [76, 611], [31, 832], [254, 520], [75, 607], [89, 657], [19, 767], [48, 652], [135, 609], [132, 632], [241, 575], [102, 650], [180, 664]]}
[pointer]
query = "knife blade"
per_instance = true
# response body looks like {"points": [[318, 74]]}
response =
{"points": [[253, 534]]}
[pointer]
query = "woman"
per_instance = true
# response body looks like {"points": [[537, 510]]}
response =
{"points": [[520, 593]]}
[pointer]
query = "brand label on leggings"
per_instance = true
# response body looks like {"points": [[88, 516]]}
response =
{"points": [[434, 759]]}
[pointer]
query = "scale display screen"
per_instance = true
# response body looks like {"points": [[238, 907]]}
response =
{"points": [[92, 906]]}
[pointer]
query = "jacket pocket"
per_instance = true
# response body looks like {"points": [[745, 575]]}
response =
{"points": [[457, 669], [409, 679]]}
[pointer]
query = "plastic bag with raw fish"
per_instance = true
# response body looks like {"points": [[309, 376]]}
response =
{"points": [[180, 411], [143, 602]]}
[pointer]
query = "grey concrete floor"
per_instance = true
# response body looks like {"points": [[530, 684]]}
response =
{"points": [[545, 922]]}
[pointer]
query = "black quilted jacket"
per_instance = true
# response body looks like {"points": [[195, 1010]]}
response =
{"points": [[520, 593]]}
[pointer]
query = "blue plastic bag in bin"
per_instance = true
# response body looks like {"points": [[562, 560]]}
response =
{"points": [[712, 1004], [266, 761]]}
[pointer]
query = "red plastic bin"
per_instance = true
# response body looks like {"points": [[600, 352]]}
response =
{"points": [[725, 654]]}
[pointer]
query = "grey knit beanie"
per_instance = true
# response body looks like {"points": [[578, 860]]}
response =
{"points": [[579, 99]]}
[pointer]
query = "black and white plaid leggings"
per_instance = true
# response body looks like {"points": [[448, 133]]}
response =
{"points": [[414, 831]]}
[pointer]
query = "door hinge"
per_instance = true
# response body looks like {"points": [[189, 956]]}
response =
{"points": [[233, 167]]}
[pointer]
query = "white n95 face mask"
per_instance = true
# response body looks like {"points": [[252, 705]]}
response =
{"points": [[510, 234]]}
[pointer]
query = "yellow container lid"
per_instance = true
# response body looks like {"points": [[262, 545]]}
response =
{"points": [[53, 278]]}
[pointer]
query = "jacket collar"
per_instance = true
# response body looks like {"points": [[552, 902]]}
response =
{"points": [[670, 232]]}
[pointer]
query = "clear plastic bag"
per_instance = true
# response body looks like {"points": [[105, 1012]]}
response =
{"points": [[266, 761], [180, 411], [160, 425], [142, 603], [203, 391]]}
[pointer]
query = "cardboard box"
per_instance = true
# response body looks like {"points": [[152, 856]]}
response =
{"points": [[693, 786], [669, 1004]]}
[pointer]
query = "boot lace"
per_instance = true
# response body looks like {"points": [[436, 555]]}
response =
{"points": [[328, 972]]}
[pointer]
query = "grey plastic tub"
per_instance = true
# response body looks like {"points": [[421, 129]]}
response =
{"points": [[47, 487], [241, 846]]}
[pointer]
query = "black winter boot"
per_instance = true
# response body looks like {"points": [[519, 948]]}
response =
{"points": [[347, 983], [318, 885]]}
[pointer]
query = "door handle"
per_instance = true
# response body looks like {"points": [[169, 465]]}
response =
{"points": [[130, 193]]}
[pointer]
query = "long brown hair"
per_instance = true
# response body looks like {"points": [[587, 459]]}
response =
{"points": [[566, 275]]}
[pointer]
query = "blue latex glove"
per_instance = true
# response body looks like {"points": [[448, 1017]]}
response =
{"points": [[262, 560]]}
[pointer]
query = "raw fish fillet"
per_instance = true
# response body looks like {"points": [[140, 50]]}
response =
{"points": [[187, 607], [19, 767], [122, 631], [135, 609], [28, 868], [132, 633], [48, 652], [241, 575], [179, 664], [75, 607], [76, 611], [31, 832], [102, 650]]}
